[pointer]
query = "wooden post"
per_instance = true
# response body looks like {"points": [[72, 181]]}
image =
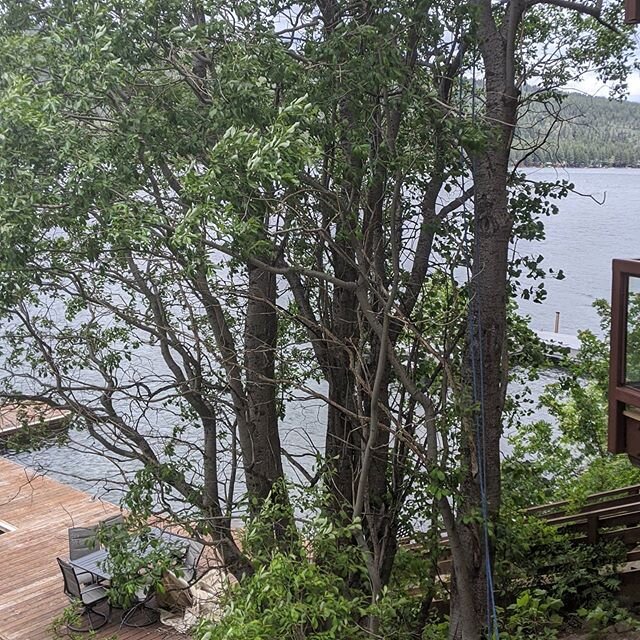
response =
{"points": [[556, 326], [617, 440], [624, 428], [632, 11], [592, 528]]}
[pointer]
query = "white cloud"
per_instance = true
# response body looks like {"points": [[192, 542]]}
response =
{"points": [[590, 84], [593, 87]]}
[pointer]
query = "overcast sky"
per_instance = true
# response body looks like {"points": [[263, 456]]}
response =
{"points": [[592, 87]]}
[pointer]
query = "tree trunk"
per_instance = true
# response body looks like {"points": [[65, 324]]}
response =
{"points": [[342, 446], [216, 525], [260, 442], [483, 431], [486, 343]]}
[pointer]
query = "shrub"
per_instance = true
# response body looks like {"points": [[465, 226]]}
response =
{"points": [[288, 599], [534, 614]]}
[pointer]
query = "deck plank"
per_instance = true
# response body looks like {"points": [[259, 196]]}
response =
{"points": [[31, 596]]}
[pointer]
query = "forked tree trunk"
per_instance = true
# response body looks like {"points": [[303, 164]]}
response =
{"points": [[218, 525]]}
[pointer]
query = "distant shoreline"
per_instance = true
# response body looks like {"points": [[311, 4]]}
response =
{"points": [[574, 166]]}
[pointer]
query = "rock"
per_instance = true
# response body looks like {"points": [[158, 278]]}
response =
{"points": [[622, 627]]}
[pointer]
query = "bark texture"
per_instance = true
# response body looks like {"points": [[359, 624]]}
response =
{"points": [[260, 441], [486, 346]]}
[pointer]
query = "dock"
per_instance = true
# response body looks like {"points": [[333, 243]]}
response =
{"points": [[559, 344], [15, 418], [35, 514]]}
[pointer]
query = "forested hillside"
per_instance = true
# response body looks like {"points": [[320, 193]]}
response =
{"points": [[591, 132]]}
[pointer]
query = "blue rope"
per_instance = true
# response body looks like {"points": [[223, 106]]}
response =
{"points": [[477, 367]]}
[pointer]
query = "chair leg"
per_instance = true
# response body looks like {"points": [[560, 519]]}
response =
{"points": [[149, 616], [88, 610]]}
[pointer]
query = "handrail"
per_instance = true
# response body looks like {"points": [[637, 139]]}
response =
{"points": [[593, 498]]}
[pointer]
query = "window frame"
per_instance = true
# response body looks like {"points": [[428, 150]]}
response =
{"points": [[619, 393], [632, 11]]}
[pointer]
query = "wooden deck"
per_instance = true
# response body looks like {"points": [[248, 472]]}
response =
{"points": [[40, 510]]}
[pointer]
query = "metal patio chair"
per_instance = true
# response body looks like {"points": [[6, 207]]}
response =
{"points": [[191, 560], [89, 597], [82, 541], [143, 612], [112, 521], [192, 554]]}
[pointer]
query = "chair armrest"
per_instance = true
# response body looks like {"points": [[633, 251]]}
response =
{"points": [[93, 588]]}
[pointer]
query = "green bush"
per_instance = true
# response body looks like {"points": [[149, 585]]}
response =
{"points": [[288, 599], [534, 614], [604, 615], [532, 554], [137, 562]]}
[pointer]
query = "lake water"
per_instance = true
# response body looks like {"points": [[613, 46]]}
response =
{"points": [[582, 240]]}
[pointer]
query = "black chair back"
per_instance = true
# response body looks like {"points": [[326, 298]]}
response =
{"points": [[71, 584], [192, 551]]}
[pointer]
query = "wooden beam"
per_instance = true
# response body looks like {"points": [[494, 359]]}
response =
{"points": [[632, 11]]}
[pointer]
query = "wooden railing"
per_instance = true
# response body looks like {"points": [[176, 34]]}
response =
{"points": [[624, 495], [609, 515]]}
